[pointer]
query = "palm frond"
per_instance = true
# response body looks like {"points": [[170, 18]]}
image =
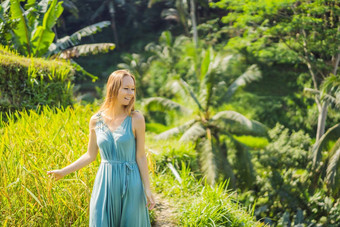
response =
{"points": [[251, 74], [207, 158], [196, 131], [86, 49], [330, 90], [330, 84], [317, 147], [244, 164], [236, 123], [311, 91], [174, 131], [175, 88], [163, 104], [76, 37], [191, 92], [331, 98], [333, 168], [211, 67], [71, 7], [213, 161], [225, 167], [170, 14]]}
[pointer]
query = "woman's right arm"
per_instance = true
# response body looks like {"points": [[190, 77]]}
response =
{"points": [[85, 159]]}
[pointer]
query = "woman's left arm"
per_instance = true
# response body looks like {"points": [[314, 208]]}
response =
{"points": [[139, 128]]}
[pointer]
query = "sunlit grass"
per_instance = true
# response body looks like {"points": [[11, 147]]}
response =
{"points": [[35, 143], [199, 204], [29, 148], [196, 202]]}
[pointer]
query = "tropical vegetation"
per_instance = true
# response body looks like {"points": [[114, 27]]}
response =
{"points": [[241, 101]]}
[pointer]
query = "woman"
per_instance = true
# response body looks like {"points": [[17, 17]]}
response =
{"points": [[121, 194]]}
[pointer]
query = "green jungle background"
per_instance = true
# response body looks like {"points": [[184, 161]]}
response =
{"points": [[241, 101]]}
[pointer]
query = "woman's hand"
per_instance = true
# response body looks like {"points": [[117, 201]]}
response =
{"points": [[57, 174], [150, 199]]}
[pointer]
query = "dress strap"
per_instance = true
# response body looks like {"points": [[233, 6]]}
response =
{"points": [[100, 118]]}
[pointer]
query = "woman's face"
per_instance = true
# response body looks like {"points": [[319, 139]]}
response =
{"points": [[126, 91]]}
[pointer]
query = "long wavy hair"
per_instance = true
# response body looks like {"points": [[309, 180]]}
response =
{"points": [[113, 85]]}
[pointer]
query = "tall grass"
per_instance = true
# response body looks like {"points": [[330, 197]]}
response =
{"points": [[34, 144], [197, 203], [31, 144], [30, 147]]}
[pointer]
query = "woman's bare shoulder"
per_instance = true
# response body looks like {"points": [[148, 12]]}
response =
{"points": [[138, 120], [136, 114], [94, 119]]}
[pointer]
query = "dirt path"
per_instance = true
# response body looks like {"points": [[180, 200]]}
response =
{"points": [[164, 212]]}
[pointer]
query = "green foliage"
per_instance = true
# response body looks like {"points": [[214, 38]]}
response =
{"points": [[30, 197], [196, 89], [280, 29], [61, 49], [253, 142], [284, 190], [33, 34], [199, 204], [155, 128], [31, 82], [33, 143], [138, 65], [6, 24], [288, 31], [170, 151], [329, 160]]}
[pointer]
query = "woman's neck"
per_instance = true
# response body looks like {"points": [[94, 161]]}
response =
{"points": [[116, 111]]}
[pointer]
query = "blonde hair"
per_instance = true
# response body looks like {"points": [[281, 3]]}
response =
{"points": [[113, 85]]}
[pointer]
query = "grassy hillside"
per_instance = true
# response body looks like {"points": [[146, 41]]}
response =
{"points": [[34, 144]]}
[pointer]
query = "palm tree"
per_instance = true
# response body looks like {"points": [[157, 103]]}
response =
{"points": [[207, 128], [328, 166]]}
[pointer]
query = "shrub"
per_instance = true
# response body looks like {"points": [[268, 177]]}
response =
{"points": [[283, 186], [31, 82]]}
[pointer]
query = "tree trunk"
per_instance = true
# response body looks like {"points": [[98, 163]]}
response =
{"points": [[322, 120], [182, 13], [113, 23], [193, 19]]}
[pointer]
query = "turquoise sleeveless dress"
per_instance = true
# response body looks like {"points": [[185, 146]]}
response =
{"points": [[117, 198]]}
